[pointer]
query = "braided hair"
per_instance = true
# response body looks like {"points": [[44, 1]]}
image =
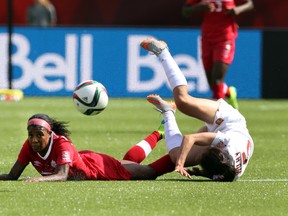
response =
{"points": [[59, 127]]}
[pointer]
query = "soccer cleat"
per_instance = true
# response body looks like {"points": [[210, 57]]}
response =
{"points": [[153, 45], [160, 104], [161, 129], [232, 99]]}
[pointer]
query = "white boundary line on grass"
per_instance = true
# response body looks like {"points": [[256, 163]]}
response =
{"points": [[264, 180]]}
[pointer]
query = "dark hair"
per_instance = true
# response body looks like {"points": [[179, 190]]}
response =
{"points": [[215, 165], [59, 127]]}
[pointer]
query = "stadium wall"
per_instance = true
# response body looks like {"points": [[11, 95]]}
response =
{"points": [[52, 61], [267, 13], [275, 70]]}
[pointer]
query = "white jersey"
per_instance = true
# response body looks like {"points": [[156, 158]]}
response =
{"points": [[232, 136]]}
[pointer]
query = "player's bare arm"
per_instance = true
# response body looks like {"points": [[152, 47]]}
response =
{"points": [[241, 8], [61, 174], [14, 173], [202, 139], [201, 7]]}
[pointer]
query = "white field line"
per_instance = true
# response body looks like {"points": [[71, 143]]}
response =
{"points": [[264, 180]]}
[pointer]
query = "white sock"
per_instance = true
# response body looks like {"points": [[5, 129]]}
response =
{"points": [[145, 147], [173, 136], [172, 70]]}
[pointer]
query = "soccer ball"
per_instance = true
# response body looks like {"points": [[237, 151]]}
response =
{"points": [[90, 97]]}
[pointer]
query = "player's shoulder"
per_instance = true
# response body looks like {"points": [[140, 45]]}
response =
{"points": [[60, 138]]}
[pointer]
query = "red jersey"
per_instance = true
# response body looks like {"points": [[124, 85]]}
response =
{"points": [[83, 165], [216, 25]]}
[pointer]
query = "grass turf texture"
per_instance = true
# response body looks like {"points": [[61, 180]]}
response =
{"points": [[263, 190]]}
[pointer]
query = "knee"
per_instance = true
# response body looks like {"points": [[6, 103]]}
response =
{"points": [[181, 101]]}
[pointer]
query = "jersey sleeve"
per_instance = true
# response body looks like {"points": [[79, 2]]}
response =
{"points": [[24, 156], [64, 152], [220, 141]]}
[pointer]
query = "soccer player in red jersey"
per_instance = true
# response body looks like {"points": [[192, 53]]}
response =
{"points": [[218, 33], [51, 152]]}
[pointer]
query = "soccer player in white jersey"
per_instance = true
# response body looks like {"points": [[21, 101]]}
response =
{"points": [[223, 147]]}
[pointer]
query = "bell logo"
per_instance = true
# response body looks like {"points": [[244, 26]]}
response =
{"points": [[49, 72], [139, 65]]}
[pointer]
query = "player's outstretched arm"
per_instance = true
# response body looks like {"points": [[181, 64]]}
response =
{"points": [[61, 174], [14, 173], [203, 139]]}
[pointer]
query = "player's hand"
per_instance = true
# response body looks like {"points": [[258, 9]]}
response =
{"points": [[194, 171], [211, 7], [31, 180], [182, 171], [232, 12], [207, 7]]}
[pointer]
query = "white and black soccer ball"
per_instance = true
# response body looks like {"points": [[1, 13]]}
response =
{"points": [[90, 97]]}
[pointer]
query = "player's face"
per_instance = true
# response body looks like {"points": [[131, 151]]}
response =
{"points": [[38, 138]]}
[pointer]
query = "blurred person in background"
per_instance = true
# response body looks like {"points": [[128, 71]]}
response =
{"points": [[218, 33], [41, 13]]}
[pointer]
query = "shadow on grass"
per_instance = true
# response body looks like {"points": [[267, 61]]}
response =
{"points": [[186, 180]]}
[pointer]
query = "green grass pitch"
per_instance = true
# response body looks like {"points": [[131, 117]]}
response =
{"points": [[262, 190]]}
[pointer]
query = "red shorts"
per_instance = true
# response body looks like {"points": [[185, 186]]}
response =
{"points": [[215, 51], [104, 167]]}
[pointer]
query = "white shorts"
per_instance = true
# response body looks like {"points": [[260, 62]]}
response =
{"points": [[228, 119]]}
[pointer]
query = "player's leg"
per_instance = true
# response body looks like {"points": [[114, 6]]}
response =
{"points": [[173, 138], [202, 109], [143, 148], [140, 151], [222, 58], [219, 86], [207, 59], [160, 49], [208, 74], [163, 165], [173, 135], [138, 171]]}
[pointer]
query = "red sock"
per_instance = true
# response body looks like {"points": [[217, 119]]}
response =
{"points": [[142, 149], [219, 90], [163, 165]]}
